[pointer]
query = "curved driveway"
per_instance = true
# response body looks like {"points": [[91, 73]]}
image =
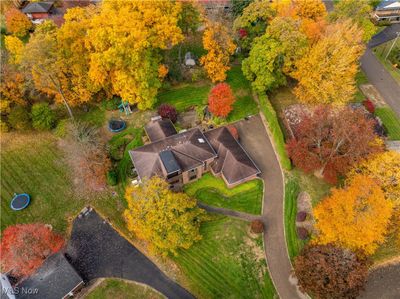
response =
{"points": [[383, 283], [254, 138]]}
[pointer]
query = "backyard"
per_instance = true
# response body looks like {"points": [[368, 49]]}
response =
{"points": [[229, 262], [212, 191]]}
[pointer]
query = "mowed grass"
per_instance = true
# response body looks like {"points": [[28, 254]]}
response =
{"points": [[227, 263], [120, 289], [33, 164], [381, 51], [294, 244], [212, 191], [390, 121]]}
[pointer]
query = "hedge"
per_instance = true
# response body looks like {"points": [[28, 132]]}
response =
{"points": [[277, 134]]}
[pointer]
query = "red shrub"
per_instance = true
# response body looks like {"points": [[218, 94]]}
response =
{"points": [[302, 233], [369, 105], [242, 32], [257, 226], [220, 100], [168, 111], [24, 247], [301, 216]]}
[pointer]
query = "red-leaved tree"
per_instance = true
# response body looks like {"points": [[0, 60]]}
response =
{"points": [[220, 100], [168, 111], [17, 22], [24, 247], [330, 141]]}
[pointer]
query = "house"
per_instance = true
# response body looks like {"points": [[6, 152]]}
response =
{"points": [[56, 278], [38, 11], [184, 157], [388, 11]]}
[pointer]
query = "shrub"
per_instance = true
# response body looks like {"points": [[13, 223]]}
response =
{"points": [[302, 233], [168, 111], [301, 216], [220, 100], [19, 118], [111, 104], [4, 128], [112, 178], [257, 226], [61, 129], [369, 105], [43, 118]]}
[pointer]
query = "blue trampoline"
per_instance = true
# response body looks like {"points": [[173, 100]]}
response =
{"points": [[20, 201], [116, 125]]}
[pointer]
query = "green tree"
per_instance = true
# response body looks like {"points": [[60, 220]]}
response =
{"points": [[264, 65], [359, 12], [167, 220], [43, 118], [238, 6]]}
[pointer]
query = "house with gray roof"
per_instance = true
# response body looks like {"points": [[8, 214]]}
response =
{"points": [[184, 157], [38, 10], [388, 11]]}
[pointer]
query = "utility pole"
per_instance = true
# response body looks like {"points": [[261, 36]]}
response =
{"points": [[395, 40]]}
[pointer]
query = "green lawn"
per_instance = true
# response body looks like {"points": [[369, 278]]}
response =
{"points": [[121, 289], [227, 263], [390, 121], [186, 95], [33, 163], [210, 190], [361, 78], [381, 52], [96, 115], [294, 244]]}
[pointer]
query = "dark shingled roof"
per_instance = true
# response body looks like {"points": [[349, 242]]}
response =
{"points": [[233, 162], [190, 149], [169, 162], [159, 129], [54, 279], [37, 7]]}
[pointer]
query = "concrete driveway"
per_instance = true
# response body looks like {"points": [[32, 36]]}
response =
{"points": [[96, 250], [255, 140], [383, 283]]}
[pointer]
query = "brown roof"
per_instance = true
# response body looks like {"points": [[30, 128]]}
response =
{"points": [[159, 129], [190, 149], [233, 162]]}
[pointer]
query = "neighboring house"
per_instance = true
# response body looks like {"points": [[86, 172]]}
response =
{"points": [[388, 11], [184, 157], [56, 278], [38, 11]]}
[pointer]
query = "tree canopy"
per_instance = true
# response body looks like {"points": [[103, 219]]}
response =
{"points": [[17, 22], [167, 220], [356, 217], [221, 99]]}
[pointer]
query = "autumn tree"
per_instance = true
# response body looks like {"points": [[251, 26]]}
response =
{"points": [[220, 100], [24, 247], [306, 9], [12, 89], [263, 67], [15, 48], [254, 20], [329, 272], [293, 43], [385, 169], [219, 46], [87, 156], [125, 40], [356, 217], [189, 17], [326, 74], [359, 12], [238, 6], [17, 22], [330, 141], [167, 220]]}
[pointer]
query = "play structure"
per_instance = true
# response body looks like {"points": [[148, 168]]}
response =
{"points": [[116, 125], [20, 201], [125, 107]]}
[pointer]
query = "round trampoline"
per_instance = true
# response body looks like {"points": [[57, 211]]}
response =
{"points": [[116, 125], [20, 201]]}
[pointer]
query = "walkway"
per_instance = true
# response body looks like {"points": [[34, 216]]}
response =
{"points": [[230, 213], [383, 283], [96, 250], [377, 74], [255, 140]]}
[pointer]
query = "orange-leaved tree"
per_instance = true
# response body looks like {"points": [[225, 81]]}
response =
{"points": [[24, 247], [220, 100], [356, 217], [17, 23], [219, 46]]}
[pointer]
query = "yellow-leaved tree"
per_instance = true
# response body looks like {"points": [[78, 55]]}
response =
{"points": [[356, 217], [167, 220], [326, 73], [385, 169], [219, 45], [15, 48], [125, 40]]}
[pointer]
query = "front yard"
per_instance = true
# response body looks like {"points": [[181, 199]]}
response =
{"points": [[390, 121], [212, 191], [229, 262], [381, 52]]}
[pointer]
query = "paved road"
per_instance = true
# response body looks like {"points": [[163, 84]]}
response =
{"points": [[377, 74], [383, 283], [96, 250], [255, 140]]}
